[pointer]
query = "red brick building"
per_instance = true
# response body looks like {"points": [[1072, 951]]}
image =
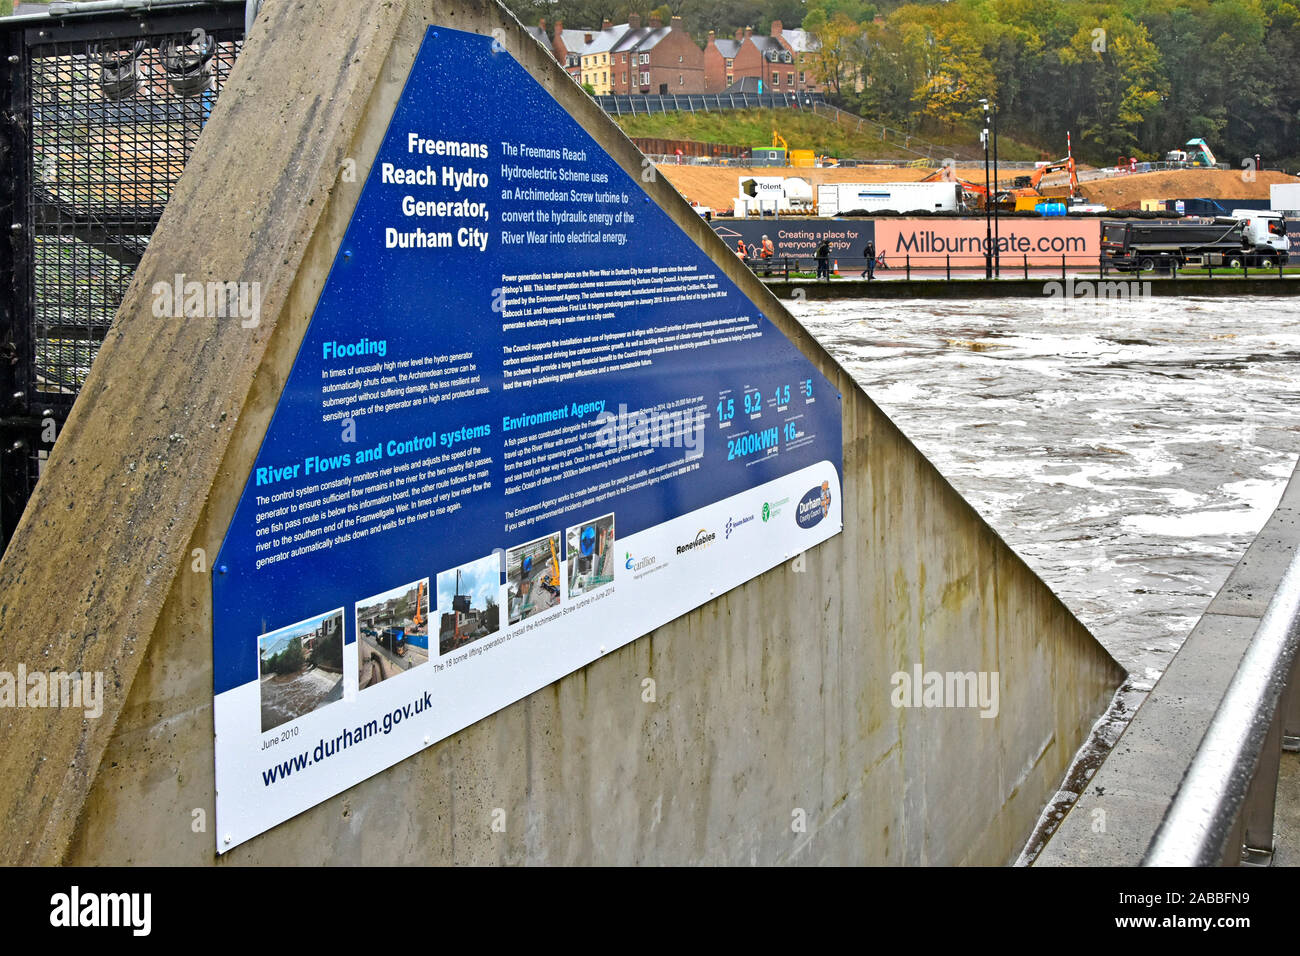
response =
{"points": [[783, 60], [657, 59]]}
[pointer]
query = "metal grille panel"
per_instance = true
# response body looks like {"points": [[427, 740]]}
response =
{"points": [[113, 124]]}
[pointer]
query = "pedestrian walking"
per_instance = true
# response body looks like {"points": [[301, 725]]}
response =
{"points": [[869, 253]]}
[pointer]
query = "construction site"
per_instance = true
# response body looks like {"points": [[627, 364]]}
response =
{"points": [[786, 180], [393, 633], [533, 577], [467, 598]]}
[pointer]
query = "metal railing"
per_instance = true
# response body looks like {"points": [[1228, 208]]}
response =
{"points": [[103, 104], [1223, 811], [1006, 266], [643, 104]]}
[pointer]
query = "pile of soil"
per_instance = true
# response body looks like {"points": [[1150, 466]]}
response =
{"points": [[716, 186], [1127, 192]]}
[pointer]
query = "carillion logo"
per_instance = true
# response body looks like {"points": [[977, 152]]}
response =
{"points": [[734, 523], [813, 506], [637, 565], [702, 540]]}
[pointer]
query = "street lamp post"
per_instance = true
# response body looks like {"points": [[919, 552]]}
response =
{"points": [[997, 238], [988, 198]]}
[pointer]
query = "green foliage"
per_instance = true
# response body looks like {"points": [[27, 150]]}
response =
{"points": [[1126, 77], [328, 651], [288, 661]]}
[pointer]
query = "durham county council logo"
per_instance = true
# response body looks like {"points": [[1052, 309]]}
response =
{"points": [[813, 506]]}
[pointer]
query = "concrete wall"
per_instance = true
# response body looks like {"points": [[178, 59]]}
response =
{"points": [[772, 699], [1135, 785]]}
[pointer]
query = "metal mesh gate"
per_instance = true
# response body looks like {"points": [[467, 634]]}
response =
{"points": [[112, 128], [103, 112]]}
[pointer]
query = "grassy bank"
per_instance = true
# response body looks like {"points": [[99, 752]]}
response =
{"points": [[804, 130]]}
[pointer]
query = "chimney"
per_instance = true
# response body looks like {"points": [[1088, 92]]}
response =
{"points": [[605, 24], [776, 28], [634, 21], [541, 25], [655, 22], [712, 36], [749, 32], [675, 23], [586, 38], [740, 35], [559, 29]]}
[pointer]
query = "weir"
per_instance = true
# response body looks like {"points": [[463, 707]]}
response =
{"points": [[759, 724]]}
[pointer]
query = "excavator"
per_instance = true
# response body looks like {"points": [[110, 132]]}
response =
{"points": [[972, 193], [418, 619], [1028, 197], [552, 580]]}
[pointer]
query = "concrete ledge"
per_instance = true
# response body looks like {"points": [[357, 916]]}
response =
{"points": [[939, 288], [1116, 817]]}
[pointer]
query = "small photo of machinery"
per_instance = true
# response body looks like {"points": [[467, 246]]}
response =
{"points": [[392, 633], [533, 577], [469, 603], [590, 555]]}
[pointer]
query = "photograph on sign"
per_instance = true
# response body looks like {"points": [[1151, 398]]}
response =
{"points": [[590, 553], [392, 632], [469, 603]]}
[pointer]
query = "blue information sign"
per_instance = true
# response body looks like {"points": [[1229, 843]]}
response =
{"points": [[530, 421]]}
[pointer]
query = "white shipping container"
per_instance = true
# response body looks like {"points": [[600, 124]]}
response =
{"points": [[1284, 197], [834, 199]]}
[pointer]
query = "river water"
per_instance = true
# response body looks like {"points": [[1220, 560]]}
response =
{"points": [[1129, 451]]}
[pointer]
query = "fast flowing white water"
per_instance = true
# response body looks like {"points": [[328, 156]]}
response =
{"points": [[1128, 450]]}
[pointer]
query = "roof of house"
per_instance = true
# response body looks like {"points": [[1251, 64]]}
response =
{"points": [[801, 41], [727, 46], [746, 84], [602, 41], [642, 39], [541, 36]]}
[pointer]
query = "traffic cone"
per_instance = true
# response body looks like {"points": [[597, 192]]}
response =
{"points": [[836, 270]]}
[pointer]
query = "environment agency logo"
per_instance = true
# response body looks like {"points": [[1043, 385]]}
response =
{"points": [[773, 508]]}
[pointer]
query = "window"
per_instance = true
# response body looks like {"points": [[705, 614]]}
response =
{"points": [[645, 79], [729, 63], [776, 78], [645, 57], [680, 60], [789, 79], [801, 78], [624, 57], [679, 80], [625, 77], [730, 79]]}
